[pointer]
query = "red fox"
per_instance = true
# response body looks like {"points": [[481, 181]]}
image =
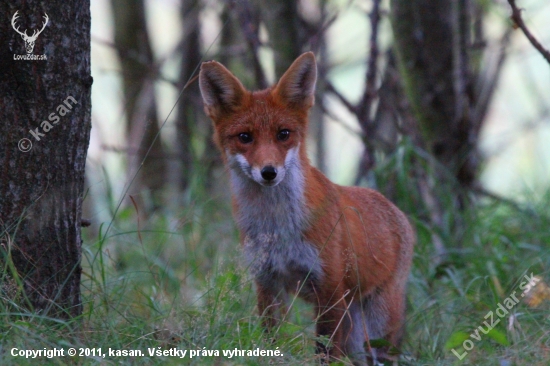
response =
{"points": [[347, 250]]}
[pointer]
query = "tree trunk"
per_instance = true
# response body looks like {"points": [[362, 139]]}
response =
{"points": [[44, 135], [282, 22], [188, 107], [138, 76], [317, 115], [288, 34], [432, 41]]}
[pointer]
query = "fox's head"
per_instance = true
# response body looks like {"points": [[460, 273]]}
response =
{"points": [[260, 133]]}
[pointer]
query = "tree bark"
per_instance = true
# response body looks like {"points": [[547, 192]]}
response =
{"points": [[42, 173], [285, 35], [289, 32], [188, 107], [138, 76], [432, 40]]}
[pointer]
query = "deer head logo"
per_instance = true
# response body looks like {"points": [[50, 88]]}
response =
{"points": [[29, 40]]}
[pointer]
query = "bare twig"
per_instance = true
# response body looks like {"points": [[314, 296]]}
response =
{"points": [[487, 82], [318, 34], [363, 109], [245, 16], [370, 89], [436, 216], [365, 106], [460, 60], [336, 119], [518, 21], [330, 88], [484, 192], [133, 151]]}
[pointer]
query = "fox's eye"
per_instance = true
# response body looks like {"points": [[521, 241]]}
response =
{"points": [[283, 135], [245, 138]]}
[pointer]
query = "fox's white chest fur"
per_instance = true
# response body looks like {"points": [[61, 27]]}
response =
{"points": [[273, 220]]}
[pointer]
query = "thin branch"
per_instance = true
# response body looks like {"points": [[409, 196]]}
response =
{"points": [[244, 11], [363, 110], [330, 88], [487, 82], [460, 59], [518, 21], [133, 151], [317, 34], [337, 120], [484, 192], [364, 107]]}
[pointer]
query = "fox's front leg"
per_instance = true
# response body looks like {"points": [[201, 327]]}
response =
{"points": [[330, 315], [270, 305]]}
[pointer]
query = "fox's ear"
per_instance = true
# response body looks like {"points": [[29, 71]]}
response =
{"points": [[221, 90], [297, 86]]}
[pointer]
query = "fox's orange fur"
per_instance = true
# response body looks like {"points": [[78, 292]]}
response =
{"points": [[347, 250]]}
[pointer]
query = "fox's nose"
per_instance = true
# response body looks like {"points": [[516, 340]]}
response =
{"points": [[269, 172]]}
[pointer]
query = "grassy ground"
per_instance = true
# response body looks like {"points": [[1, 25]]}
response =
{"points": [[177, 281]]}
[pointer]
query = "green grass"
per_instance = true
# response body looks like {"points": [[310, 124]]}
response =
{"points": [[177, 281]]}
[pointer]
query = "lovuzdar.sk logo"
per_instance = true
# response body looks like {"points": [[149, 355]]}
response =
{"points": [[29, 40]]}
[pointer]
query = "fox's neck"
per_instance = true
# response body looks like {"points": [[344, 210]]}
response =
{"points": [[273, 221], [278, 212]]}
